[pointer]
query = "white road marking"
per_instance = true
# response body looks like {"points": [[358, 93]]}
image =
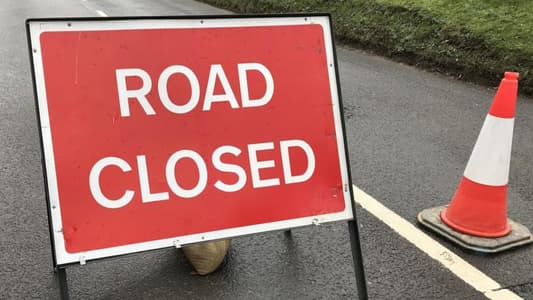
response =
{"points": [[459, 267], [101, 13]]}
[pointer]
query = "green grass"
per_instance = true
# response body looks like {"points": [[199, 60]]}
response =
{"points": [[472, 39]]}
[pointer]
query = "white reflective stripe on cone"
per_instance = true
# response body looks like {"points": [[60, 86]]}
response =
{"points": [[491, 157]]}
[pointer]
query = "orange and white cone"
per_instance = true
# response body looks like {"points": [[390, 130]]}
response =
{"points": [[476, 217]]}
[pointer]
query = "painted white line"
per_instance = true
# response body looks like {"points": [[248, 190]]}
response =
{"points": [[462, 269], [101, 13]]}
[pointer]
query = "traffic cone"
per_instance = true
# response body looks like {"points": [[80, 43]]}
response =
{"points": [[476, 217]]}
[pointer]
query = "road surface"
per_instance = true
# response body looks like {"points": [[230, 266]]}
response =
{"points": [[410, 134]]}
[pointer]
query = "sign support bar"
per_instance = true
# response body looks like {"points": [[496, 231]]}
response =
{"points": [[61, 274], [357, 257]]}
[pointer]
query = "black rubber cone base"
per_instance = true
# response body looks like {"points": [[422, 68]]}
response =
{"points": [[518, 236]]}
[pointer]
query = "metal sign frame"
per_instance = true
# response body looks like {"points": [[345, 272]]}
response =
{"points": [[61, 258]]}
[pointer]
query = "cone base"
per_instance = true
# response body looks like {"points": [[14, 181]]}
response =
{"points": [[459, 228], [519, 235]]}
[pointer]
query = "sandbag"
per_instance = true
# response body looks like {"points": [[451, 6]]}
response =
{"points": [[206, 257]]}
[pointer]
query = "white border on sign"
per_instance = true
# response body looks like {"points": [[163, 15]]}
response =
{"points": [[36, 27]]}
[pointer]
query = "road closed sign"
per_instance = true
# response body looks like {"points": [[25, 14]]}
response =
{"points": [[160, 132]]}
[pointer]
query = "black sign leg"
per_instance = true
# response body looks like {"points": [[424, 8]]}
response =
{"points": [[63, 285], [357, 260]]}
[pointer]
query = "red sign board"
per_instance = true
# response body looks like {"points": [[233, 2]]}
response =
{"points": [[172, 131]]}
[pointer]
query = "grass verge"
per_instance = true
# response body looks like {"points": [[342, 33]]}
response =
{"points": [[471, 39]]}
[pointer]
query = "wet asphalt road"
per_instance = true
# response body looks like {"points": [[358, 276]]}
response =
{"points": [[410, 134]]}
